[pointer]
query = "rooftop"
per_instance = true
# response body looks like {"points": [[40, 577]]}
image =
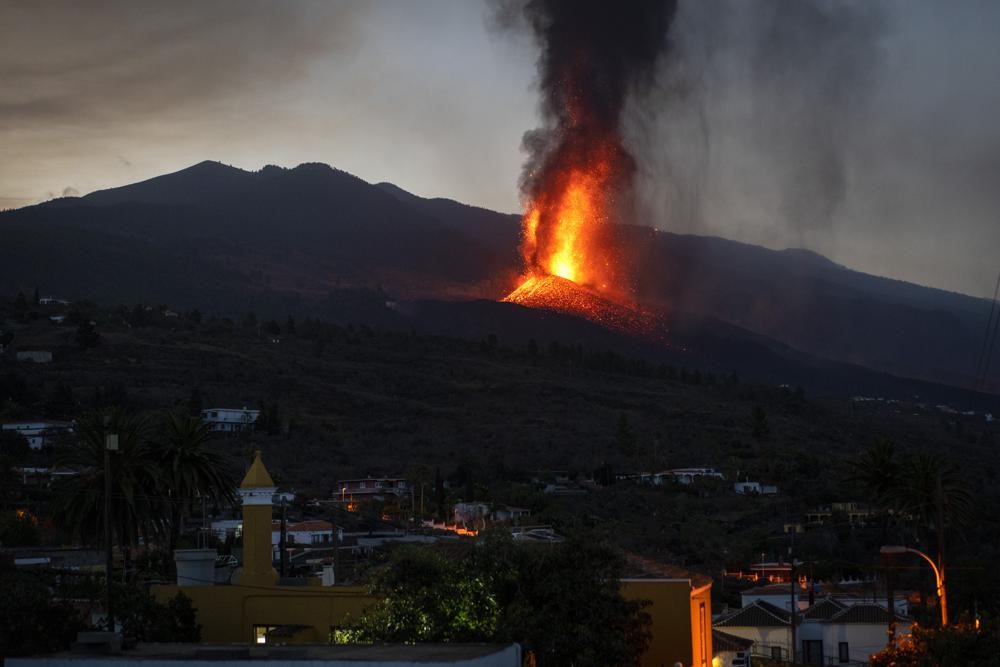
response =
{"points": [[393, 654], [257, 477]]}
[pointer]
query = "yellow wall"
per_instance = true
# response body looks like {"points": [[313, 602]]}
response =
{"points": [[227, 614], [675, 615], [257, 567]]}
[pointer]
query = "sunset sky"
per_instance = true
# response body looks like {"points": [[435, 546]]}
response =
{"points": [[868, 132]]}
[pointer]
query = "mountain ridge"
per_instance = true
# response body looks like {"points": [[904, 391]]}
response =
{"points": [[280, 238]]}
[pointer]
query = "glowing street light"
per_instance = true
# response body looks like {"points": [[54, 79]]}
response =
{"points": [[938, 575]]}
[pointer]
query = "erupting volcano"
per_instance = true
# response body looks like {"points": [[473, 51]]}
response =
{"points": [[578, 179]]}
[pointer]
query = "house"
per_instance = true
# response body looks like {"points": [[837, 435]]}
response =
{"points": [[371, 487], [52, 301], [827, 632], [229, 420], [831, 632], [766, 625], [747, 488], [680, 610], [857, 514], [771, 572], [40, 433], [37, 356], [314, 532], [688, 475], [510, 514], [777, 595], [276, 655], [730, 650]]}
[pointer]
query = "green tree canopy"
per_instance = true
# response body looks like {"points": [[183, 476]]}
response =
{"points": [[561, 602]]}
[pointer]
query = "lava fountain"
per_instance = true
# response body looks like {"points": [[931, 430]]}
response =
{"points": [[577, 182]]}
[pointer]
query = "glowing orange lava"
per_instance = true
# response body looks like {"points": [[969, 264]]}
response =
{"points": [[566, 230]]}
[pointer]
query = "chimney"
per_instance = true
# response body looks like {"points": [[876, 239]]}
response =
{"points": [[195, 567]]}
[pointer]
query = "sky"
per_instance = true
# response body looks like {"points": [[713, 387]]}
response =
{"points": [[866, 131]]}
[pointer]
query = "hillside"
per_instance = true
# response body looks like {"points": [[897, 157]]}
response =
{"points": [[490, 414], [306, 239]]}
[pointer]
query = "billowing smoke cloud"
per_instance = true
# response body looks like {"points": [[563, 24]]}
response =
{"points": [[70, 191], [763, 104], [594, 56]]}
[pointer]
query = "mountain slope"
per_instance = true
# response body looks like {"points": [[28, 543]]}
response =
{"points": [[288, 240]]}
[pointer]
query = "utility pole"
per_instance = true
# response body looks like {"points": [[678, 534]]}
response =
{"points": [[791, 591], [284, 538], [110, 445]]}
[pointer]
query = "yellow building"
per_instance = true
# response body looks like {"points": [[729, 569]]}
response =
{"points": [[255, 606], [257, 609], [680, 608]]}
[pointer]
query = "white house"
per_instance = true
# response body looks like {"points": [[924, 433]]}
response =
{"points": [[229, 420], [687, 475], [370, 487], [831, 633], [39, 433], [747, 488], [766, 625], [510, 514], [223, 528], [828, 632], [310, 533]]}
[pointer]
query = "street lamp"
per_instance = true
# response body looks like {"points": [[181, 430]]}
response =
{"points": [[938, 575]]}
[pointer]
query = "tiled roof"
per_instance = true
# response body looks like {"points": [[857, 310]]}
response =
{"points": [[756, 615], [312, 525], [723, 641], [638, 567], [768, 589], [864, 613], [823, 610]]}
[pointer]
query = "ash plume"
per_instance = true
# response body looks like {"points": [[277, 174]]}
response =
{"points": [[594, 56]]}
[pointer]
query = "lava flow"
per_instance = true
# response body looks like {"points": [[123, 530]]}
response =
{"points": [[578, 180]]}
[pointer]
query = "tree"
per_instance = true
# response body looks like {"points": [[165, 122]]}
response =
{"points": [[34, 616], [144, 619], [135, 476], [188, 470], [624, 438], [561, 602], [959, 644], [878, 470], [21, 305], [86, 335], [758, 423], [14, 449], [61, 404]]}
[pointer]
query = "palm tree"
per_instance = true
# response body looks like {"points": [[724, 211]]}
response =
{"points": [[877, 469], [189, 470], [933, 494], [134, 474]]}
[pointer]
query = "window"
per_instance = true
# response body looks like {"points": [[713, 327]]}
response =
{"points": [[844, 652], [776, 653], [260, 633], [703, 630]]}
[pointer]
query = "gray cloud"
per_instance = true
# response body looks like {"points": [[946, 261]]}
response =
{"points": [[865, 131]]}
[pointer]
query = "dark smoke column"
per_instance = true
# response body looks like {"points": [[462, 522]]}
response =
{"points": [[594, 56]]}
